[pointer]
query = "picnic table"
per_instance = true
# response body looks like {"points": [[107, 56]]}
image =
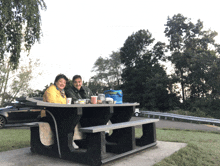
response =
{"points": [[97, 147]]}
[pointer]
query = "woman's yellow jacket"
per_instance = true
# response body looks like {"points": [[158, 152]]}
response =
{"points": [[53, 95]]}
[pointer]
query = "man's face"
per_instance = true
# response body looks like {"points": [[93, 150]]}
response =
{"points": [[77, 83]]}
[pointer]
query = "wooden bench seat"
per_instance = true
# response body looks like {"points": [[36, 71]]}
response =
{"points": [[31, 124], [121, 141], [95, 129]]}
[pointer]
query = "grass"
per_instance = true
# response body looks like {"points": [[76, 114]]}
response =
{"points": [[203, 148], [14, 139]]}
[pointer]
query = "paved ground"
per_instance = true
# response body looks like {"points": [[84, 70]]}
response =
{"points": [[186, 126], [148, 157], [183, 125]]}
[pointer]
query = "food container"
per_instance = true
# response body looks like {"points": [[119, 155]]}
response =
{"points": [[82, 101], [117, 95], [109, 100], [101, 97], [88, 101]]}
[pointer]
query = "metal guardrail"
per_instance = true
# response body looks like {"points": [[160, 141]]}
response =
{"points": [[185, 117]]}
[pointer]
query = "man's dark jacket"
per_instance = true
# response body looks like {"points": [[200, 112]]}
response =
{"points": [[75, 94]]}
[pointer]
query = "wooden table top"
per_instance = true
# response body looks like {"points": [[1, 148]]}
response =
{"points": [[34, 102]]}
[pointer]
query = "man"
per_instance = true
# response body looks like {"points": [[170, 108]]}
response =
{"points": [[77, 91]]}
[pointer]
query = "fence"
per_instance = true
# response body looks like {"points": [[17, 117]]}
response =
{"points": [[184, 117]]}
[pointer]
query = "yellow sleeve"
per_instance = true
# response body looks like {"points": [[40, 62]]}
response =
{"points": [[52, 95]]}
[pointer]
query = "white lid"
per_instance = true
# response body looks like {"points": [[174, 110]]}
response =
{"points": [[109, 99]]}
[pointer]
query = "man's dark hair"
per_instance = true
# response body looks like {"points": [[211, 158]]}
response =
{"points": [[59, 77], [76, 76]]}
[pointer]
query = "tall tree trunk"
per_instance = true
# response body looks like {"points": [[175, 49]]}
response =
{"points": [[5, 83], [183, 93], [182, 85]]}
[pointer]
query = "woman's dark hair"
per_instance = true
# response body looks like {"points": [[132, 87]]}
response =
{"points": [[76, 76], [59, 77]]}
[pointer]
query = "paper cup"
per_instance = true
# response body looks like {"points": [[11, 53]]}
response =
{"points": [[94, 99], [68, 100]]}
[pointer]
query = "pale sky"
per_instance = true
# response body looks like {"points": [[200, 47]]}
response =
{"points": [[77, 32]]}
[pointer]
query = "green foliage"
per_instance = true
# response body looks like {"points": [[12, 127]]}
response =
{"points": [[96, 87], [194, 55], [156, 96], [19, 22], [193, 112], [144, 79], [213, 78], [16, 83], [201, 107], [108, 72], [205, 107], [35, 93]]}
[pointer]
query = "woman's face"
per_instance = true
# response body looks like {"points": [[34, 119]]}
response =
{"points": [[61, 83], [77, 83]]}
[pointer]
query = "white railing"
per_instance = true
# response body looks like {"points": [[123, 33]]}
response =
{"points": [[185, 117]]}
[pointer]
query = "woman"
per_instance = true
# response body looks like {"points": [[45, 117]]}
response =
{"points": [[54, 94]]}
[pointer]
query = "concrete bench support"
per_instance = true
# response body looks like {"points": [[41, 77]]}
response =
{"points": [[121, 142], [36, 145]]}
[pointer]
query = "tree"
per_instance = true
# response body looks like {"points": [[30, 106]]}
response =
{"points": [[144, 79], [115, 69], [193, 52], [212, 79], [14, 83], [5, 70], [19, 24], [95, 87], [35, 93], [108, 71]]}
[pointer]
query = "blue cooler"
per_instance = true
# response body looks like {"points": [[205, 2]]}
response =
{"points": [[117, 95]]}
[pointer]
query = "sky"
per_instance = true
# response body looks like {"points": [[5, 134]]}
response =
{"points": [[77, 32]]}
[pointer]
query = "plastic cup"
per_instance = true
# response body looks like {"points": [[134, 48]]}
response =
{"points": [[68, 100], [101, 97], [94, 99]]}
